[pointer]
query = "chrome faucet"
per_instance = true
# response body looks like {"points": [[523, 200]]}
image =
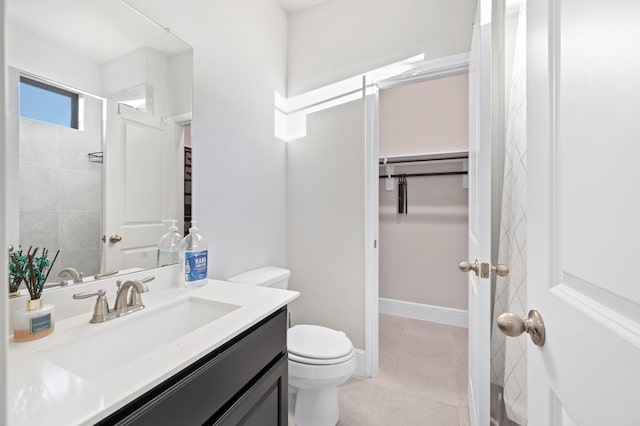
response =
{"points": [[128, 298], [72, 273], [131, 288]]}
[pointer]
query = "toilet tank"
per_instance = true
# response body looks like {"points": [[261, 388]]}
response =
{"points": [[268, 276]]}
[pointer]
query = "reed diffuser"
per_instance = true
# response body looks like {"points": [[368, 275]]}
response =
{"points": [[36, 320]]}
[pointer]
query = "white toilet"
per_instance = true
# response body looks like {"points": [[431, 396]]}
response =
{"points": [[320, 359]]}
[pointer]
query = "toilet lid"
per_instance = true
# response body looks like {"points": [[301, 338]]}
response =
{"points": [[316, 342]]}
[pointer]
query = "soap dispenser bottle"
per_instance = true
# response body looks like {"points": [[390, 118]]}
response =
{"points": [[194, 258], [169, 245]]}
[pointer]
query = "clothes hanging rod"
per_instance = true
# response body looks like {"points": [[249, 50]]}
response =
{"points": [[456, 155], [410, 163], [423, 174]]}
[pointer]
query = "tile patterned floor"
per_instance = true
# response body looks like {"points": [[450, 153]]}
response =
{"points": [[422, 379]]}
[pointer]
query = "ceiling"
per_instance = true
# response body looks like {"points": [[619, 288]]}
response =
{"points": [[100, 30], [295, 5]]}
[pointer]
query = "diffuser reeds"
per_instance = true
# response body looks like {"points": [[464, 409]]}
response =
{"points": [[31, 270]]}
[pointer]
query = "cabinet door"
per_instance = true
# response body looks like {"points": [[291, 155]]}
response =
{"points": [[265, 403], [206, 390]]}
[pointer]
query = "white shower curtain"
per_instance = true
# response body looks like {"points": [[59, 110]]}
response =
{"points": [[509, 355]]}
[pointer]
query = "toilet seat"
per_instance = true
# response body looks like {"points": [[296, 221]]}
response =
{"points": [[317, 361], [316, 345]]}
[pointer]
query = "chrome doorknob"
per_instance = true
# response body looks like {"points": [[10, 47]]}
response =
{"points": [[512, 325], [115, 238], [465, 266]]}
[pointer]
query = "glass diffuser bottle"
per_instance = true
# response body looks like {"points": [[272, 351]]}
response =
{"points": [[34, 322]]}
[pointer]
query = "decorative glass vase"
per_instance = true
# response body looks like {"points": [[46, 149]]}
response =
{"points": [[34, 322]]}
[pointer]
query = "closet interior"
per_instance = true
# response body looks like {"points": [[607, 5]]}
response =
{"points": [[423, 199]]}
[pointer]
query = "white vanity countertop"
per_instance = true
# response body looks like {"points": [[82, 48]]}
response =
{"points": [[40, 392]]}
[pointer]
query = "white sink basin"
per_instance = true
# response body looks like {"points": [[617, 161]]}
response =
{"points": [[111, 347]]}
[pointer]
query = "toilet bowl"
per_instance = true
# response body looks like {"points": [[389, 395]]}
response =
{"points": [[320, 359]]}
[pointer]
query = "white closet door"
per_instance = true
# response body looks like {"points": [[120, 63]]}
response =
{"points": [[480, 214]]}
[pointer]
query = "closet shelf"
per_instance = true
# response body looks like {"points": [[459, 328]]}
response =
{"points": [[423, 159], [426, 157], [423, 174]]}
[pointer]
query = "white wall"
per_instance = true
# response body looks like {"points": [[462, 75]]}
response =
{"points": [[181, 83], [326, 220], [341, 38], [29, 52], [239, 174], [143, 72], [327, 43], [123, 72], [4, 272]]}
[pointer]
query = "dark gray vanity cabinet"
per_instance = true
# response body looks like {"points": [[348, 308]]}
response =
{"points": [[244, 382]]}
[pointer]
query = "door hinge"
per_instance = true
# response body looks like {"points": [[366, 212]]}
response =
{"points": [[375, 243]]}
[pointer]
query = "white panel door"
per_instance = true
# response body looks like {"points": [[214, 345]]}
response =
{"points": [[480, 213], [140, 167], [584, 187]]}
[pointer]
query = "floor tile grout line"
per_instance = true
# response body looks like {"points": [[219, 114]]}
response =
{"points": [[395, 361]]}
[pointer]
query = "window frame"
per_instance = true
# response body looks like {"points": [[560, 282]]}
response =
{"points": [[74, 97]]}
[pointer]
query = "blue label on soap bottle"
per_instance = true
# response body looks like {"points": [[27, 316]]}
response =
{"points": [[195, 268]]}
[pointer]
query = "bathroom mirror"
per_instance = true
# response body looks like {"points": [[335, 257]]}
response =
{"points": [[97, 188]]}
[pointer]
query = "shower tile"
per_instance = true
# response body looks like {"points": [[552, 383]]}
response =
{"points": [[79, 230], [55, 269], [39, 229], [75, 145], [38, 188], [85, 261], [93, 116], [39, 143], [80, 190]]}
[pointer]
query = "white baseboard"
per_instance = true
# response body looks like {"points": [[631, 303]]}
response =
{"points": [[360, 358], [440, 314]]}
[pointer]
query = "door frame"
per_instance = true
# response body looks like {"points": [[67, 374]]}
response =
{"points": [[422, 71]]}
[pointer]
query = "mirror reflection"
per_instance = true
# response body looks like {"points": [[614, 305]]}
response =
{"points": [[99, 128]]}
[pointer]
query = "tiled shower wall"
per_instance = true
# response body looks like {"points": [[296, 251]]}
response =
{"points": [[61, 191]]}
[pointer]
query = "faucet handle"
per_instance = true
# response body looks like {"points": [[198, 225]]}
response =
{"points": [[101, 309], [87, 294]]}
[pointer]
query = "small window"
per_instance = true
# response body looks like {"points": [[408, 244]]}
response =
{"points": [[44, 102]]}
